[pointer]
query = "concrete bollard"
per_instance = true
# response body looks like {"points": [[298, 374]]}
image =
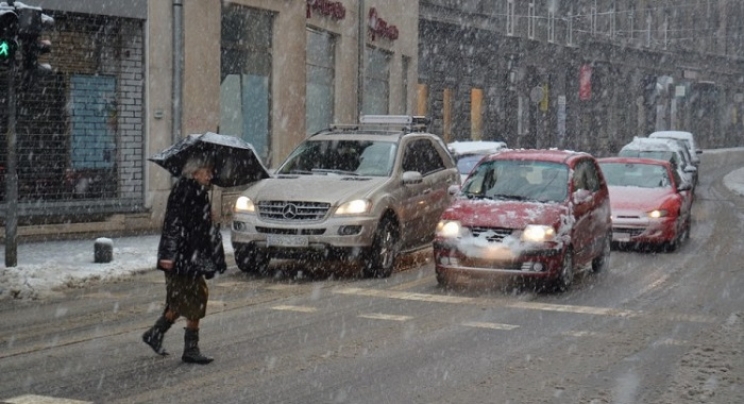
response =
{"points": [[103, 250]]}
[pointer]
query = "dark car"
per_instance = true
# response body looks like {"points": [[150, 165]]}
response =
{"points": [[538, 214]]}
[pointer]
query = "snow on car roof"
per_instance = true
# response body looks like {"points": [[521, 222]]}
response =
{"points": [[462, 147]]}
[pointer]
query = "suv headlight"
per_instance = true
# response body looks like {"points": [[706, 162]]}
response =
{"points": [[355, 207], [538, 233], [449, 228], [244, 205]]}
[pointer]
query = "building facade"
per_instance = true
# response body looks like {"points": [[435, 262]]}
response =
{"points": [[131, 79], [582, 74]]}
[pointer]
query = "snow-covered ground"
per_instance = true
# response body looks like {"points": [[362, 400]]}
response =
{"points": [[44, 267]]}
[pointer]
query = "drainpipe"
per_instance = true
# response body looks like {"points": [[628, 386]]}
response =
{"points": [[362, 45], [177, 69]]}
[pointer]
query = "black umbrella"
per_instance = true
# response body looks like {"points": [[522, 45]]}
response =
{"points": [[235, 161]]}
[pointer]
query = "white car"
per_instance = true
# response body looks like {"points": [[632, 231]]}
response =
{"points": [[469, 153], [687, 137]]}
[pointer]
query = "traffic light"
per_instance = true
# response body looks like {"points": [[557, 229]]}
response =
{"points": [[31, 23], [8, 35]]}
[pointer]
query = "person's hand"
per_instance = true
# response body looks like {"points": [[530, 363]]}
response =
{"points": [[165, 264]]}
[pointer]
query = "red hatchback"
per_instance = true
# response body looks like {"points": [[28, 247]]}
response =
{"points": [[650, 203], [540, 214]]}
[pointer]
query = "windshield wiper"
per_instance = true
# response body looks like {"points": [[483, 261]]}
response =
{"points": [[514, 197], [332, 171], [306, 172]]}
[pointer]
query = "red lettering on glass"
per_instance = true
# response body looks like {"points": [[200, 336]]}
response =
{"points": [[328, 8], [380, 27]]}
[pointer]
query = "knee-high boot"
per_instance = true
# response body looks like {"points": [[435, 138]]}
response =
{"points": [[154, 336], [191, 352]]}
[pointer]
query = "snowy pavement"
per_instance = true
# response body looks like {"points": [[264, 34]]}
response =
{"points": [[48, 266]]}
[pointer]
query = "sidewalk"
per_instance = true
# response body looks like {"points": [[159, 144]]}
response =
{"points": [[46, 266]]}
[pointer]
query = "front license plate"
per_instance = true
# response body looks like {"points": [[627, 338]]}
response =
{"points": [[621, 237], [275, 240]]}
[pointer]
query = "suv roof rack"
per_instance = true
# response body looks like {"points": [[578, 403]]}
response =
{"points": [[405, 123]]}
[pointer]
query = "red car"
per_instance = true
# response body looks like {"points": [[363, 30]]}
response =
{"points": [[650, 203], [537, 214]]}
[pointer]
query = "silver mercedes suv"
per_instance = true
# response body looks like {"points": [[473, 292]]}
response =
{"points": [[363, 192]]}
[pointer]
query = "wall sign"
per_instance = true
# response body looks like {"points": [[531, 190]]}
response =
{"points": [[328, 8], [380, 27]]}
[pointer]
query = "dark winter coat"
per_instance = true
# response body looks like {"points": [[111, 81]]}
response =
{"points": [[189, 237]]}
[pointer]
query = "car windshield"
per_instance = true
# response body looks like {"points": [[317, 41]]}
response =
{"points": [[465, 164], [341, 157], [518, 179], [636, 175], [649, 154]]}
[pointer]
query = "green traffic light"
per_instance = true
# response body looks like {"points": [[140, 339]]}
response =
{"points": [[5, 49]]}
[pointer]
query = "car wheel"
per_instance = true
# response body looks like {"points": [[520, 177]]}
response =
{"points": [[566, 276], [602, 262], [384, 252], [250, 260]]}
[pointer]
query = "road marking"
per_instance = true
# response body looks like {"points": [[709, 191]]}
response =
{"points": [[32, 399], [561, 308], [408, 285], [381, 316], [390, 294], [282, 287], [301, 309], [573, 309], [582, 334], [492, 326], [655, 284]]}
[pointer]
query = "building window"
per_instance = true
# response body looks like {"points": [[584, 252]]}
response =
{"points": [[448, 100], [531, 20], [594, 20], [246, 75], [666, 32], [319, 95], [649, 19], [406, 65], [510, 17], [476, 114], [551, 26], [422, 100], [569, 28], [376, 83]]}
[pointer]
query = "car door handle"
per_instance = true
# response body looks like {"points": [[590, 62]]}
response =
{"points": [[427, 191]]}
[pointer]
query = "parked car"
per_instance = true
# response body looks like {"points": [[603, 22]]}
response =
{"points": [[651, 205], [534, 214], [362, 192], [469, 153], [686, 137], [663, 149]]}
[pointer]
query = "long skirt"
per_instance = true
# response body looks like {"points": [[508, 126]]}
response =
{"points": [[186, 295]]}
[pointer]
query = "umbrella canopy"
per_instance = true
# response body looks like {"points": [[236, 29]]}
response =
{"points": [[235, 161]]}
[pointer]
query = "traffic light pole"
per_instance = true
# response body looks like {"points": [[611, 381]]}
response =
{"points": [[11, 178]]}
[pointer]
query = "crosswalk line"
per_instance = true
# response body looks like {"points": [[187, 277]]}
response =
{"points": [[34, 399], [301, 309], [492, 326], [381, 316]]}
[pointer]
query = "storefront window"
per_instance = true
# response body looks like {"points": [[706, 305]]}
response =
{"points": [[376, 83], [321, 48], [246, 75]]}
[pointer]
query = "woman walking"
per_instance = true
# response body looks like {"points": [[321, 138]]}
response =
{"points": [[190, 249]]}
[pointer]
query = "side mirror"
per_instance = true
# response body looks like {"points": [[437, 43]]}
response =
{"points": [[690, 169], [685, 186], [453, 190], [412, 177]]}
